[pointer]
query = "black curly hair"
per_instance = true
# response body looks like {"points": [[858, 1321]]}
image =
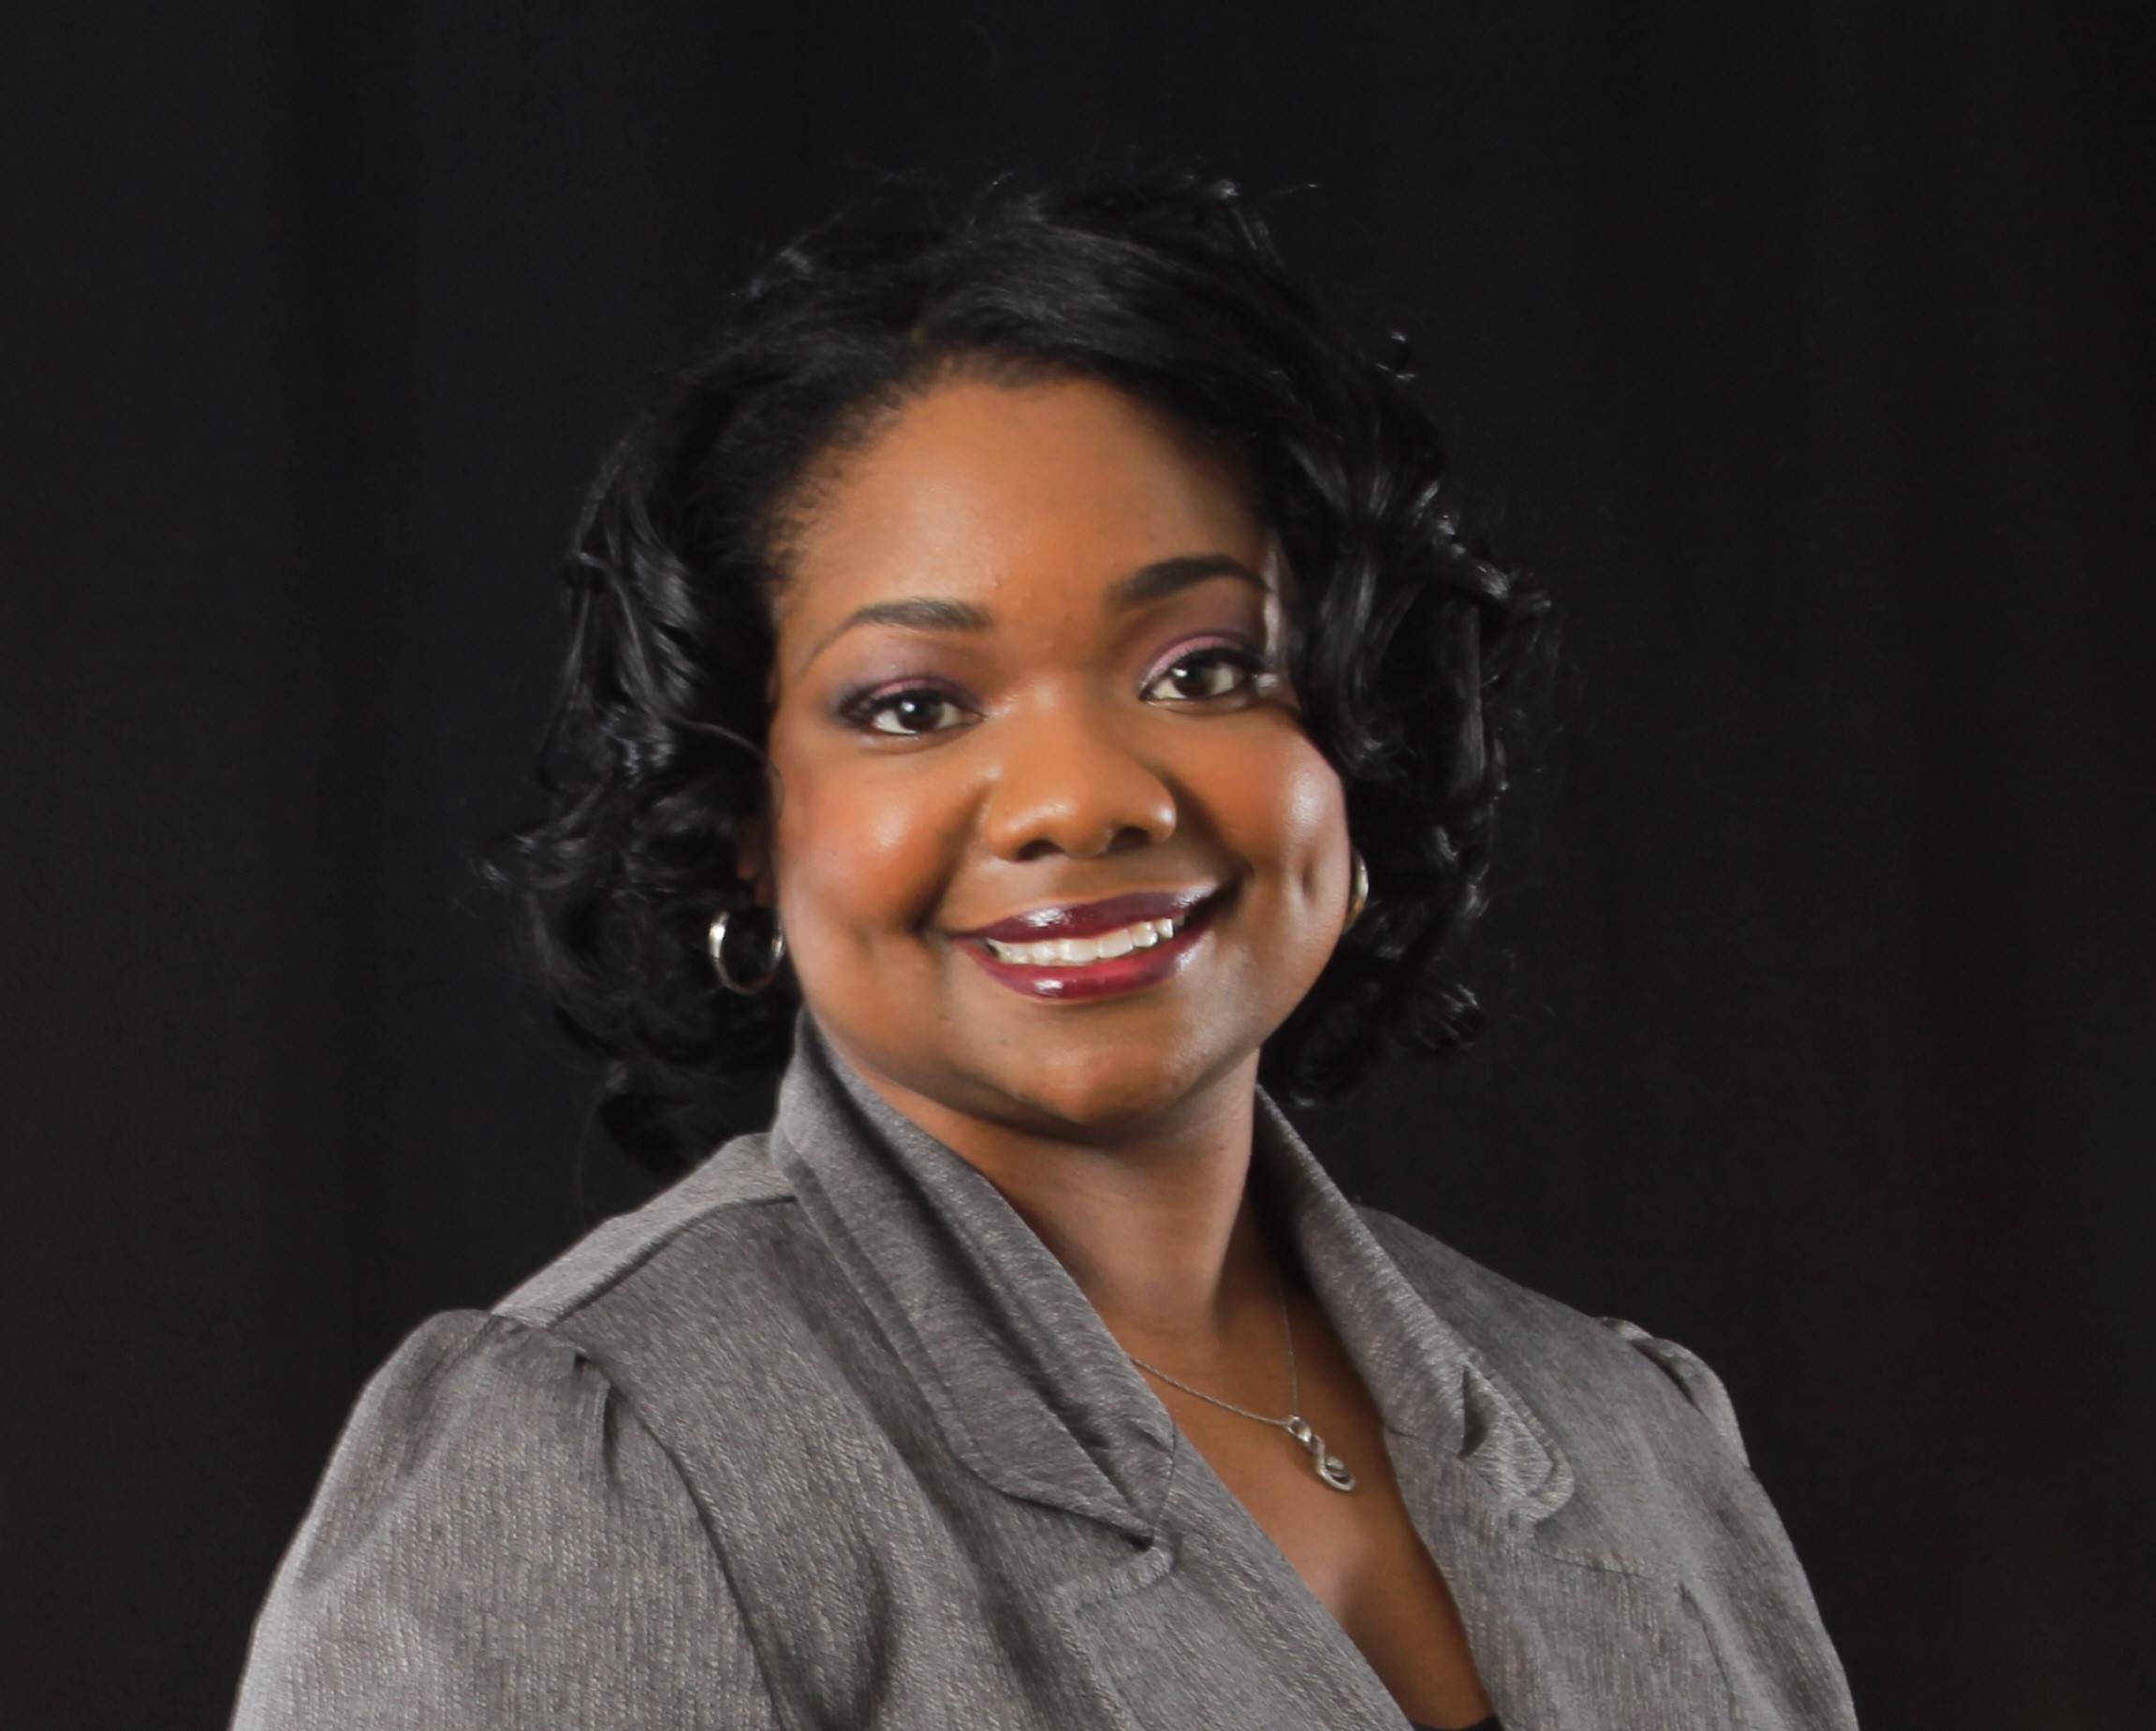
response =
{"points": [[1411, 651]]}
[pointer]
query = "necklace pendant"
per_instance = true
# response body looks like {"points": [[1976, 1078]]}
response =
{"points": [[1328, 1466]]}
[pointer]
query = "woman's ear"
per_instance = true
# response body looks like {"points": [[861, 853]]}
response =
{"points": [[753, 859]]}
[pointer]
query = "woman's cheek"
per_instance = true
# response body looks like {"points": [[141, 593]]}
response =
{"points": [[1317, 806], [868, 850], [1282, 802]]}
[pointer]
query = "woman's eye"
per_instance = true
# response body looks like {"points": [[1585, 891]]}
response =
{"points": [[1203, 675], [908, 714]]}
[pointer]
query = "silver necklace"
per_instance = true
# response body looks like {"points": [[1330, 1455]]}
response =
{"points": [[1328, 1466]]}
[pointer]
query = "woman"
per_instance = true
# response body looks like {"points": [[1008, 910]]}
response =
{"points": [[1029, 669]]}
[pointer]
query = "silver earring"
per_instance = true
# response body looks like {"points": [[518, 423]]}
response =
{"points": [[1359, 896], [747, 975]]}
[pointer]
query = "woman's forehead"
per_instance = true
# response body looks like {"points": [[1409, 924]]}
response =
{"points": [[1046, 493]]}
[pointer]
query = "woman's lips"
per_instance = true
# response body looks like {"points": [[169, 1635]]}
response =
{"points": [[1081, 919], [1096, 950]]}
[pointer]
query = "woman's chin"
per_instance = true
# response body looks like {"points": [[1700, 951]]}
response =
{"points": [[1109, 1095]]}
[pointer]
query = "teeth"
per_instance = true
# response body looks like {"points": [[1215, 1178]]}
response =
{"points": [[1077, 952]]}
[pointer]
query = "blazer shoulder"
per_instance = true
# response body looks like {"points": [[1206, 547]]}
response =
{"points": [[738, 1178], [1489, 1307], [498, 1542], [1521, 1330]]}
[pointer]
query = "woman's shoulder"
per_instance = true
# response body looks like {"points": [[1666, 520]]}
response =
{"points": [[465, 1370], [1566, 1356], [499, 1539], [722, 1208], [1656, 1479]]}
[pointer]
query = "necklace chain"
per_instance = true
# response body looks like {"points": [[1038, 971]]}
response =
{"points": [[1328, 1466]]}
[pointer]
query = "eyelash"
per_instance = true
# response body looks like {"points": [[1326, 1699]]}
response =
{"points": [[1252, 665], [859, 711]]}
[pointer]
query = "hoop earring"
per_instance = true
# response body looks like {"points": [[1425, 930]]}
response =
{"points": [[1358, 896], [773, 949]]}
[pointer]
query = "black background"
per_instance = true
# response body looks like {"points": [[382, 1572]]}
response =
{"points": [[1805, 349]]}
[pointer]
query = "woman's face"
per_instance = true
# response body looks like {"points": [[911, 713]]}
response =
{"points": [[1049, 845]]}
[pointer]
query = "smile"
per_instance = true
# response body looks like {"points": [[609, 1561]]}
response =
{"points": [[1098, 949], [1052, 952]]}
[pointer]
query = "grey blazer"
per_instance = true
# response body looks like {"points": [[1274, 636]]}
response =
{"points": [[824, 1436]]}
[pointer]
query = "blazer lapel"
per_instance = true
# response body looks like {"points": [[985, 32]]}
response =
{"points": [[1027, 1384], [1429, 1385], [1570, 1625]]}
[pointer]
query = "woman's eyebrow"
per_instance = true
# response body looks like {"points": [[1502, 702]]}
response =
{"points": [[1153, 582], [920, 612], [1166, 576]]}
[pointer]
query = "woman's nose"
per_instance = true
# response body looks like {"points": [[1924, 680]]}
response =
{"points": [[1068, 785]]}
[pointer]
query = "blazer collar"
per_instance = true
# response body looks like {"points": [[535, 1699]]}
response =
{"points": [[1028, 1386], [1031, 1390], [1428, 1383]]}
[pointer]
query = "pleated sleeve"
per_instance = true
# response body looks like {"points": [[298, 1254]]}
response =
{"points": [[500, 1543]]}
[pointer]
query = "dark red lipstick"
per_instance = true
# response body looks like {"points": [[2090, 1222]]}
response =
{"points": [[1146, 958], [1088, 919]]}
